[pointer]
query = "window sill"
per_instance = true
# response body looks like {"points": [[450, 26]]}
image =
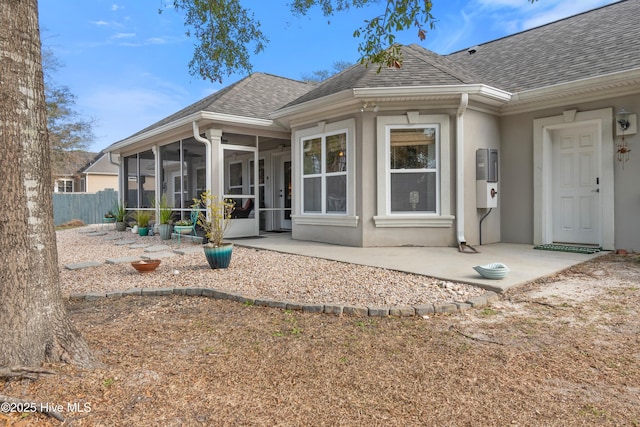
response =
{"points": [[330, 220], [414, 221]]}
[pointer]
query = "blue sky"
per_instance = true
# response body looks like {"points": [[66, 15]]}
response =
{"points": [[127, 64]]}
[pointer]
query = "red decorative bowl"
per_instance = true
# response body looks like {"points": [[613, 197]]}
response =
{"points": [[146, 266]]}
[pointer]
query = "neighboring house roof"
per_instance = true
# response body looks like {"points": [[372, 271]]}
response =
{"points": [[101, 165], [593, 43], [255, 96], [420, 67], [70, 163]]}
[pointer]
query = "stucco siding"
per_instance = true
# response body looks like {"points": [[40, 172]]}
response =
{"points": [[481, 130], [97, 183]]}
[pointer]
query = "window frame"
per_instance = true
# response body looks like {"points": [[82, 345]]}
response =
{"points": [[323, 174], [404, 171], [346, 218], [442, 217]]}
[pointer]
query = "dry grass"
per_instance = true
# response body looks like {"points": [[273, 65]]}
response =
{"points": [[538, 357]]}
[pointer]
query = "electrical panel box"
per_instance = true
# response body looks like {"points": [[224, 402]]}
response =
{"points": [[487, 164], [486, 178]]}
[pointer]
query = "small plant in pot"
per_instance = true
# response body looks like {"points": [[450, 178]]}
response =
{"points": [[164, 218], [183, 226], [215, 220], [109, 217], [142, 221], [120, 214]]}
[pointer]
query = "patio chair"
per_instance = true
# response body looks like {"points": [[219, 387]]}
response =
{"points": [[194, 221]]}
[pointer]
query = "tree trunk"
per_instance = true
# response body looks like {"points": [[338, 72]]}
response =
{"points": [[34, 326]]}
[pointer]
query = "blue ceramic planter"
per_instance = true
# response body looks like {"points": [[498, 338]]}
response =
{"points": [[218, 256], [143, 231]]}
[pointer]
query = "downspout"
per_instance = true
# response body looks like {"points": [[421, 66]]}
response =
{"points": [[462, 242], [207, 143]]}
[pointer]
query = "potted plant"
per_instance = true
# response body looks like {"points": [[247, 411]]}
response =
{"points": [[109, 218], [164, 218], [142, 221], [120, 214], [183, 226], [215, 220]]}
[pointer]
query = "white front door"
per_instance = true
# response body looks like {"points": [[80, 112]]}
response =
{"points": [[576, 197]]}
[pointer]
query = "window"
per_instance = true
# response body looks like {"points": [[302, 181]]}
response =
{"points": [[64, 186], [413, 171], [324, 175], [413, 168]]}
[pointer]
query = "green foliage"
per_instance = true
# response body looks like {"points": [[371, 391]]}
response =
{"points": [[143, 218], [164, 210], [216, 217], [226, 31], [120, 212]]}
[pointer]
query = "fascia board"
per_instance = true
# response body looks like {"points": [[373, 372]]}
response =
{"points": [[608, 85], [440, 90], [186, 121]]}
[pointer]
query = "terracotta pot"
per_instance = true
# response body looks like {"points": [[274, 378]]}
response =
{"points": [[146, 266], [218, 256]]}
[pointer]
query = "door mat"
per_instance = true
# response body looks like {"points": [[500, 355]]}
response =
{"points": [[568, 248]]}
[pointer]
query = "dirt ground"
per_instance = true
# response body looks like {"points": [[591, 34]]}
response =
{"points": [[562, 351]]}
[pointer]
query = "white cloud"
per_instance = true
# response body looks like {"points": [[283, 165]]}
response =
{"points": [[123, 35], [99, 23], [115, 7], [562, 10]]}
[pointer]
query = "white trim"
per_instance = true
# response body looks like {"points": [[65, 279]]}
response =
{"points": [[332, 220], [542, 173], [384, 218], [402, 221], [322, 129]]}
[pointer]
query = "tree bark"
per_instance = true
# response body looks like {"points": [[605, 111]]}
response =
{"points": [[34, 326]]}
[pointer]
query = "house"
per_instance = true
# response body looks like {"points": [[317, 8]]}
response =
{"points": [[66, 167], [515, 140], [100, 174], [83, 171]]}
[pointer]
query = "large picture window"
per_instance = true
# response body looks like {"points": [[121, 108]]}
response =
{"points": [[324, 174], [413, 169]]}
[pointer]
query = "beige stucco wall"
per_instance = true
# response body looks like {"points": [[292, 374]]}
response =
{"points": [[97, 183], [517, 205], [366, 233], [481, 130]]}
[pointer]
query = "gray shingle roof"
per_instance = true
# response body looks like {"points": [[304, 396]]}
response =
{"points": [[420, 67], [255, 96], [593, 43]]}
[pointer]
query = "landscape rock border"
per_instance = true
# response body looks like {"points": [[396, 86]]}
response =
{"points": [[337, 309]]}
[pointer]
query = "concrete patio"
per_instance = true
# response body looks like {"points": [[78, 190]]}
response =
{"points": [[447, 263]]}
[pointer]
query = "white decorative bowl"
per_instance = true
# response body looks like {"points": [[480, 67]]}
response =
{"points": [[494, 270]]}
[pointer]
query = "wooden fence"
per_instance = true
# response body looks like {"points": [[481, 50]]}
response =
{"points": [[87, 207]]}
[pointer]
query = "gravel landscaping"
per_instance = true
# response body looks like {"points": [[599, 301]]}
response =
{"points": [[253, 273]]}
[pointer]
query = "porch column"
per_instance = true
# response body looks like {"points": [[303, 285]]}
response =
{"points": [[215, 163]]}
